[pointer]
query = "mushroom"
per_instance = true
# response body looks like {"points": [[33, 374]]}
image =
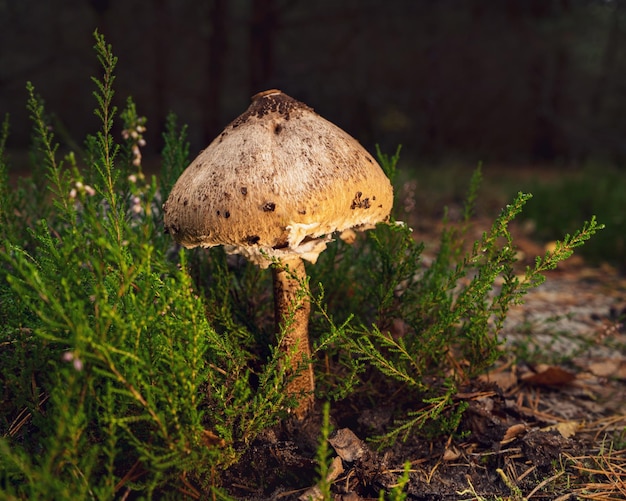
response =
{"points": [[274, 186]]}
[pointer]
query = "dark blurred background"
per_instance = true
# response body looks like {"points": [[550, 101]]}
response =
{"points": [[539, 81]]}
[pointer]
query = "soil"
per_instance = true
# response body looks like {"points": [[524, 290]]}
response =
{"points": [[547, 422]]}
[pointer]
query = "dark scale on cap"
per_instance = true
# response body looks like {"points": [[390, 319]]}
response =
{"points": [[269, 207], [358, 203], [270, 101]]}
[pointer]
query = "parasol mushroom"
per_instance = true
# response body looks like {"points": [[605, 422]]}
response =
{"points": [[274, 186]]}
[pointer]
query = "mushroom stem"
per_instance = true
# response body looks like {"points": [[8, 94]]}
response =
{"points": [[291, 310]]}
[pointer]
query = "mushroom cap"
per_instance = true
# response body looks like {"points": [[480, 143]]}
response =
{"points": [[277, 182]]}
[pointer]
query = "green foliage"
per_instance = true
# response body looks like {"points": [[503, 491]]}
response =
{"points": [[450, 312], [175, 153], [560, 205], [389, 163], [113, 379], [132, 365], [324, 454]]}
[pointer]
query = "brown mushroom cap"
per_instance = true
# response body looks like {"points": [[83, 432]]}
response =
{"points": [[278, 181]]}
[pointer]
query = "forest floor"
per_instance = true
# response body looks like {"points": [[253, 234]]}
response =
{"points": [[548, 421]]}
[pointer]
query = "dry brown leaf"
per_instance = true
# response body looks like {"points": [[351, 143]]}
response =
{"points": [[620, 373], [549, 376], [606, 368], [567, 429], [210, 439], [610, 367], [347, 445], [503, 379], [451, 454], [513, 432]]}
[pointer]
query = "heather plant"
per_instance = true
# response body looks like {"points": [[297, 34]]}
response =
{"points": [[130, 364], [450, 313], [559, 205], [107, 350]]}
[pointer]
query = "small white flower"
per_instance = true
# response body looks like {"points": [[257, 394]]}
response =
{"points": [[402, 224], [69, 356]]}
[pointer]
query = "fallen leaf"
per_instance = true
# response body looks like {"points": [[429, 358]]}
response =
{"points": [[621, 372], [451, 454], [549, 376], [503, 379], [609, 368], [210, 439], [513, 432], [567, 429], [347, 445]]}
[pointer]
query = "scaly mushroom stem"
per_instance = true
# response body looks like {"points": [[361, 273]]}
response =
{"points": [[292, 319]]}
